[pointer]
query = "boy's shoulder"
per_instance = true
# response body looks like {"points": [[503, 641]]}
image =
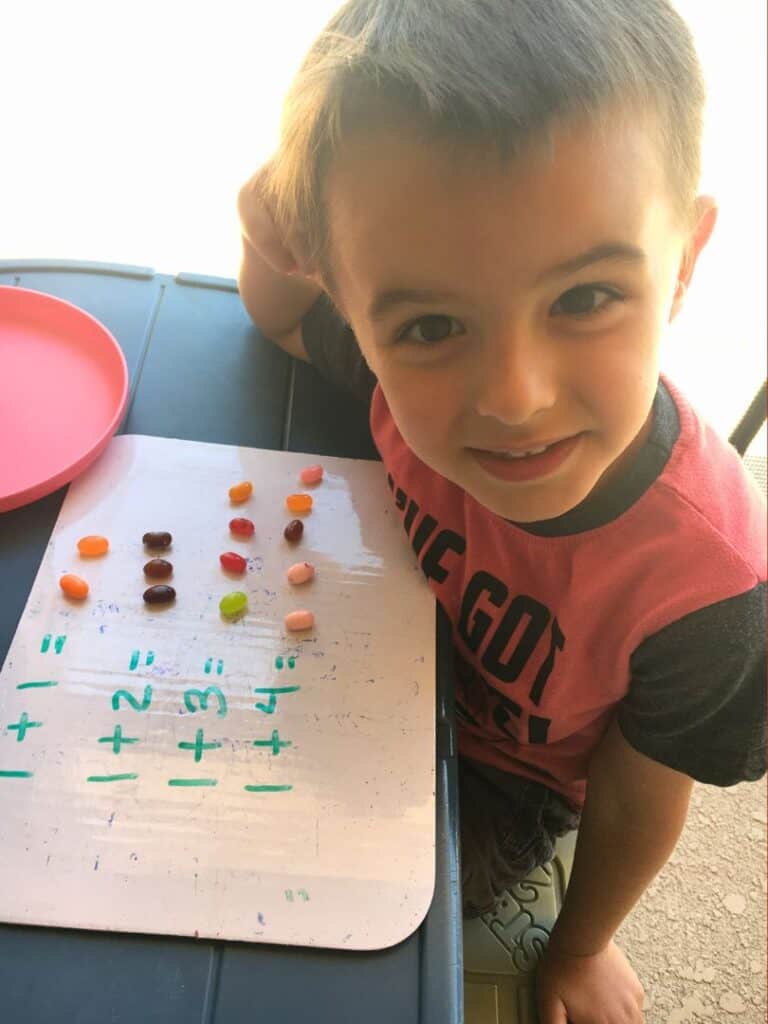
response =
{"points": [[709, 491]]}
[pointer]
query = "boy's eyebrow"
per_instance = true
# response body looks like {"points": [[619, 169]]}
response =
{"points": [[618, 251], [385, 301]]}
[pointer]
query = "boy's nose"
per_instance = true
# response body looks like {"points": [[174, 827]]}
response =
{"points": [[515, 383]]}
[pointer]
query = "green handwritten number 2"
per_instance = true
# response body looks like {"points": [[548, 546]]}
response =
{"points": [[132, 700]]}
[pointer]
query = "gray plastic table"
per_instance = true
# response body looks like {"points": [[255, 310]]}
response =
{"points": [[201, 371]]}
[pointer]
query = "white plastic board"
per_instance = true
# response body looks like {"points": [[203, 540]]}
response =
{"points": [[338, 723]]}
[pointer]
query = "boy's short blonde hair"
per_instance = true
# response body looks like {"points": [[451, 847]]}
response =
{"points": [[499, 73]]}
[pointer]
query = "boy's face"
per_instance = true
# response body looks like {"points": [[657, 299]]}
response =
{"points": [[512, 353]]}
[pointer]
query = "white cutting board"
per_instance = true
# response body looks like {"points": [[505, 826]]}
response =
{"points": [[338, 851]]}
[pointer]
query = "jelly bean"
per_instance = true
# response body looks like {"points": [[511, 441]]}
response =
{"points": [[296, 621], [242, 527], [234, 603], [157, 540], [298, 502], [158, 569], [74, 586], [294, 530], [241, 492], [311, 475], [301, 572], [93, 546], [159, 594], [233, 562]]}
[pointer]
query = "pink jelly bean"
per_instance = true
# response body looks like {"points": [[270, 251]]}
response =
{"points": [[301, 572], [311, 475], [299, 620]]}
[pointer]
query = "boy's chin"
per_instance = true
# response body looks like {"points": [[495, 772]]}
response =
{"points": [[524, 503]]}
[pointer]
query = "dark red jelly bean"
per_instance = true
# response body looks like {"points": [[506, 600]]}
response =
{"points": [[242, 527], [158, 569], [294, 530], [233, 562], [159, 594], [157, 540]]}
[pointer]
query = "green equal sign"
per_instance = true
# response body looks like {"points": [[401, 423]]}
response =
{"points": [[15, 775]]}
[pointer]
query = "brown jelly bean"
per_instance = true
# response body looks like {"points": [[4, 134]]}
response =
{"points": [[159, 594], [294, 530], [158, 569], [157, 540]]}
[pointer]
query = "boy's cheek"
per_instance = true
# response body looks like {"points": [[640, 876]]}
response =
{"points": [[425, 415]]}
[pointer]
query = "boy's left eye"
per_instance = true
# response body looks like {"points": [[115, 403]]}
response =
{"points": [[581, 299]]}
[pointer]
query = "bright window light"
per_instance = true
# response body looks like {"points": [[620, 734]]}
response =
{"points": [[128, 129]]}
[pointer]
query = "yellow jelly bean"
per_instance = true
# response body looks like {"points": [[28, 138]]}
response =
{"points": [[73, 586], [241, 492], [93, 545], [298, 503], [233, 603]]}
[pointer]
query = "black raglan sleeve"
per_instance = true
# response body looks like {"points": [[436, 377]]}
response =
{"points": [[333, 350], [697, 697]]}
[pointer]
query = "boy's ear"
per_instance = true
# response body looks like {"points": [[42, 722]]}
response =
{"points": [[706, 218]]}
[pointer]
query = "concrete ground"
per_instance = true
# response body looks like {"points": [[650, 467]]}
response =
{"points": [[698, 937]]}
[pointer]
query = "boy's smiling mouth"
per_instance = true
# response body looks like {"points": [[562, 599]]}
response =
{"points": [[525, 462]]}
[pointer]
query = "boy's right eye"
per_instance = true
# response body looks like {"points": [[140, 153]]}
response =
{"points": [[433, 329]]}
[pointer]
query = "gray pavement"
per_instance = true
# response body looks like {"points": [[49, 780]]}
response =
{"points": [[697, 939]]}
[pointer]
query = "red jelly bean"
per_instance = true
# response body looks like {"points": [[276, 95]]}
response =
{"points": [[233, 562], [242, 527]]}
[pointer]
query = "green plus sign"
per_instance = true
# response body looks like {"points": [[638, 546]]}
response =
{"points": [[275, 742], [22, 725], [198, 746], [117, 739]]}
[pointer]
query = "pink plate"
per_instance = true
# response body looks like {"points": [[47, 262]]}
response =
{"points": [[63, 392]]}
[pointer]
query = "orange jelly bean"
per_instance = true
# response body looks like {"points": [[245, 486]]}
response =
{"points": [[74, 586], [93, 546], [241, 492], [298, 503]]}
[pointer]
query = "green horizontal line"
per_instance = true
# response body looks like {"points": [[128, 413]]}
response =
{"points": [[27, 686], [267, 789], [112, 778], [276, 689], [193, 782], [15, 775]]}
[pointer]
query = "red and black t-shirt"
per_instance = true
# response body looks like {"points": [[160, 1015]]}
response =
{"points": [[646, 603]]}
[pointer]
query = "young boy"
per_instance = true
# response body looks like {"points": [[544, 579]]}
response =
{"points": [[480, 218]]}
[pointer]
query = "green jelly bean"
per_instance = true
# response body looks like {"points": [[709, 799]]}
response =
{"points": [[233, 603]]}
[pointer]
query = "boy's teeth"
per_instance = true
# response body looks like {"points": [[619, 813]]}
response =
{"points": [[522, 455]]}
